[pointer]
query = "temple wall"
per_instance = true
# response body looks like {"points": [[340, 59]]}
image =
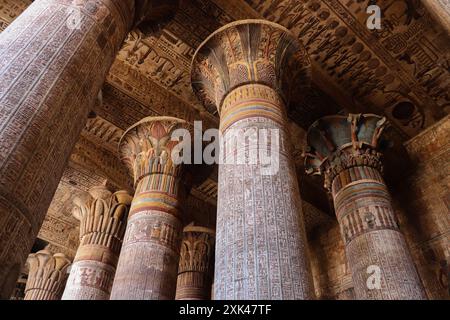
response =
{"points": [[421, 204], [425, 200], [332, 279]]}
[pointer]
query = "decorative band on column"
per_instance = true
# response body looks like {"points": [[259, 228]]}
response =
{"points": [[345, 151], [156, 228], [89, 280], [355, 174], [47, 275], [364, 207]]}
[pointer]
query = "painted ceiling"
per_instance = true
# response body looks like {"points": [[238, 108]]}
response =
{"points": [[400, 71]]}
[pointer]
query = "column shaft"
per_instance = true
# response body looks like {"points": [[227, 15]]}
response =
{"points": [[102, 226], [374, 244], [55, 57]]}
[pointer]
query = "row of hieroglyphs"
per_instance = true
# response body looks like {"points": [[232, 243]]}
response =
{"points": [[402, 63]]}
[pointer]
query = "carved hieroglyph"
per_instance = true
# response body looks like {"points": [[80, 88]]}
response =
{"points": [[150, 253], [47, 275], [102, 226], [248, 71], [426, 200], [50, 73], [345, 151], [195, 271]]}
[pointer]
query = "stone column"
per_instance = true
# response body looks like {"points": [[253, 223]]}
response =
{"points": [[47, 275], [345, 151], [248, 72], [440, 11], [195, 271], [54, 60], [102, 227], [148, 262]]}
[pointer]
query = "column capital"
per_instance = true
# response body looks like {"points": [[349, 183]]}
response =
{"points": [[195, 270], [47, 275], [102, 209], [336, 143], [197, 249], [249, 52], [146, 147]]}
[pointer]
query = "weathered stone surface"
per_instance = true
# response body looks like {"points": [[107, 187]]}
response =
{"points": [[423, 204], [332, 276], [196, 268], [150, 253], [47, 275], [102, 219], [344, 149], [50, 73], [399, 71], [440, 10], [19, 290], [247, 71]]}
